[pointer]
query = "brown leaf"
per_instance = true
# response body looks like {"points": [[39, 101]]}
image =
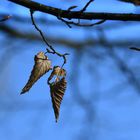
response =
{"points": [[41, 66], [58, 71], [57, 90]]}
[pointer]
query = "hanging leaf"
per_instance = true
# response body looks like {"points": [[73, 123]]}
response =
{"points": [[57, 90], [41, 66], [58, 71]]}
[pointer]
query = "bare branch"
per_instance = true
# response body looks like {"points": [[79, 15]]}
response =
{"points": [[5, 18], [76, 14], [69, 23], [134, 48]]}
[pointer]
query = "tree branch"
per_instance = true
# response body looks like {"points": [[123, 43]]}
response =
{"points": [[6, 17], [76, 14]]}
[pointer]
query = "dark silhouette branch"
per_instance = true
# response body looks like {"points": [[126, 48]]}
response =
{"points": [[6, 17], [134, 48], [76, 14]]}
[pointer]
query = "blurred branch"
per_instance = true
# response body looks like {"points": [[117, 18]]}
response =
{"points": [[76, 14], [5, 18], [136, 49], [14, 33], [123, 67]]}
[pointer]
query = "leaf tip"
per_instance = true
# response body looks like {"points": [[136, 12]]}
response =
{"points": [[23, 92], [56, 120]]}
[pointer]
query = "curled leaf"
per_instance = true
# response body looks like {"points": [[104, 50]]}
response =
{"points": [[57, 90], [58, 71], [41, 66]]}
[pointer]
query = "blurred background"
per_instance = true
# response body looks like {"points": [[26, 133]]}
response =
{"points": [[102, 99]]}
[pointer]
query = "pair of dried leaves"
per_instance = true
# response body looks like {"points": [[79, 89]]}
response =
{"points": [[57, 88]]}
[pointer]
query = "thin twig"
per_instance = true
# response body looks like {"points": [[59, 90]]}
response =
{"points": [[71, 8], [50, 49], [85, 7], [60, 55], [66, 22], [41, 33], [69, 23], [136, 49], [5, 18]]}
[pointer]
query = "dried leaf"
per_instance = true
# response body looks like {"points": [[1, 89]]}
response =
{"points": [[57, 90], [58, 71], [42, 65]]}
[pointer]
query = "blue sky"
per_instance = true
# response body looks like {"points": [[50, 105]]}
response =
{"points": [[99, 104]]}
